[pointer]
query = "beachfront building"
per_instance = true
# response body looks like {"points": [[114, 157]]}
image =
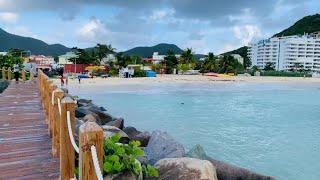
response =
{"points": [[65, 59], [42, 62], [287, 53], [157, 58]]}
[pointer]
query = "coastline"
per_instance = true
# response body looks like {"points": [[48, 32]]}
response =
{"points": [[114, 81]]}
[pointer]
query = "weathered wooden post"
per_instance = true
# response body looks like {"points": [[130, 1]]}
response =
{"points": [[23, 73], [66, 149], [3, 73], [58, 94], [9, 73], [52, 87], [47, 99], [90, 134]]}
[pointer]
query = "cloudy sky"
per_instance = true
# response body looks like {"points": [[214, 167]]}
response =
{"points": [[204, 25]]}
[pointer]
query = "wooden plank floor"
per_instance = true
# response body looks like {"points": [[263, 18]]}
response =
{"points": [[25, 147]]}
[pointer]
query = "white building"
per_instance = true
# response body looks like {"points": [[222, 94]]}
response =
{"points": [[64, 59], [287, 52], [238, 57], [157, 58], [3, 53]]}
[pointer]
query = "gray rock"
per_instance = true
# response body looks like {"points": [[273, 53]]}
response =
{"points": [[136, 135], [90, 117], [226, 171], [84, 102], [143, 137], [117, 123], [131, 131], [103, 116], [81, 112], [78, 123], [102, 108], [185, 168], [111, 130], [162, 145]]}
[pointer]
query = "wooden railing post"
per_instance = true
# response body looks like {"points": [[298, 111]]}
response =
{"points": [[47, 98], [31, 74], [23, 73], [3, 73], [9, 73], [58, 94], [90, 134], [66, 149], [52, 87]]}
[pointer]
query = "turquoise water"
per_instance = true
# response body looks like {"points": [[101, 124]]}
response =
{"points": [[271, 128]]}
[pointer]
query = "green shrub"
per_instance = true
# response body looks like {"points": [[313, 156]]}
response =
{"points": [[119, 158], [139, 73], [285, 74], [114, 72]]}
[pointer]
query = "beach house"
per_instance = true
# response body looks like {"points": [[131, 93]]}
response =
{"points": [[65, 59]]}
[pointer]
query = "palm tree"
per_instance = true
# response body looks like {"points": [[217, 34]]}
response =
{"points": [[187, 56], [103, 50], [210, 63]]}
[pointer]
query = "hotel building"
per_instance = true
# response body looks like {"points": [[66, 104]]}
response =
{"points": [[287, 53]]}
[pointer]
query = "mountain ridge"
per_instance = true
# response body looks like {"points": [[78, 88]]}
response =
{"points": [[36, 46]]}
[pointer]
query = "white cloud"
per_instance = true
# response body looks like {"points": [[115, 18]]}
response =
{"points": [[9, 17], [92, 31], [245, 34]]}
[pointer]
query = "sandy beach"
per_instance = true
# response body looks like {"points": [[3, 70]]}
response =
{"points": [[113, 81]]}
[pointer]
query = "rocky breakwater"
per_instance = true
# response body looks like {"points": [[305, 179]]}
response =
{"points": [[3, 85], [162, 150]]}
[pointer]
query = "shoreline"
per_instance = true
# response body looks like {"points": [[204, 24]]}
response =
{"points": [[187, 79]]}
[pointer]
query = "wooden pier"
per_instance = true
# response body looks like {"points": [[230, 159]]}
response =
{"points": [[25, 146], [37, 128]]}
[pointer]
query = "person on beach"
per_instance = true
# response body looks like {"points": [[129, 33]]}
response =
{"points": [[16, 71], [79, 78]]}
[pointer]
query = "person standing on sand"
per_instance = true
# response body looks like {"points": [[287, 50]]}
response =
{"points": [[16, 71]]}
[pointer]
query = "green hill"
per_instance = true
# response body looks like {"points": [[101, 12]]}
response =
{"points": [[307, 24], [242, 51], [148, 51], [36, 46]]}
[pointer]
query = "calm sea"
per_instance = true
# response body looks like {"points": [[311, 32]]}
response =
{"points": [[270, 128]]}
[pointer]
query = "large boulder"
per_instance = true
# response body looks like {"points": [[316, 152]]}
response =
{"points": [[226, 171], [81, 112], [117, 123], [131, 131], [84, 102], [111, 130], [185, 168], [162, 145], [78, 123], [136, 135], [143, 137], [90, 117], [103, 116]]}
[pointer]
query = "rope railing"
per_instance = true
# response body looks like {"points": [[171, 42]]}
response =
{"points": [[60, 116], [73, 142], [96, 163]]}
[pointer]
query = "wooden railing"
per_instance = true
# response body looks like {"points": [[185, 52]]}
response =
{"points": [[60, 112], [7, 74]]}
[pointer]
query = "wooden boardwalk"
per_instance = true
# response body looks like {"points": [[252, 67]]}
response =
{"points": [[25, 146]]}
